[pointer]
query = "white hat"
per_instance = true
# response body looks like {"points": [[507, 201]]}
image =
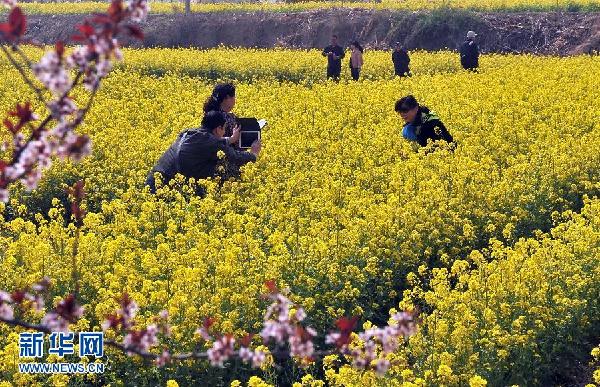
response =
{"points": [[471, 34]]}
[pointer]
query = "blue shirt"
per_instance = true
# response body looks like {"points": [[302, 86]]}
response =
{"points": [[409, 132]]}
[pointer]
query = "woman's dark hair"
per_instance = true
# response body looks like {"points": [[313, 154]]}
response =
{"points": [[220, 92], [405, 104], [357, 45], [213, 119]]}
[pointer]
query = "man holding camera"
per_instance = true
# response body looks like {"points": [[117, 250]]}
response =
{"points": [[199, 152], [334, 54]]}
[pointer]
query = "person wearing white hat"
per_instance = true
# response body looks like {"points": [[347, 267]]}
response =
{"points": [[469, 52]]}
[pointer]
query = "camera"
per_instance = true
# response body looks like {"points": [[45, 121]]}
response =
{"points": [[250, 129]]}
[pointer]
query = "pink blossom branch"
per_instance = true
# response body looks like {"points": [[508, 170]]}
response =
{"points": [[92, 61], [283, 329], [136, 351]]}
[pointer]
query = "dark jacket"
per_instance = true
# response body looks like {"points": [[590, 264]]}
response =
{"points": [[430, 127], [198, 156], [401, 61], [338, 51], [469, 55]]}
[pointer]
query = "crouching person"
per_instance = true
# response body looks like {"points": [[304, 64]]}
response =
{"points": [[201, 153], [421, 124]]}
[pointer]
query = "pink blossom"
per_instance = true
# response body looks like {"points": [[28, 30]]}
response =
{"points": [[129, 310], [124, 315], [38, 303], [257, 357], [141, 341], [42, 285], [52, 73], [332, 338], [31, 179], [382, 366], [55, 323], [389, 338], [163, 359], [14, 171], [302, 347], [6, 311], [5, 297], [74, 146], [9, 3], [138, 10], [203, 332], [300, 314], [245, 354], [62, 108], [221, 350], [78, 58]]}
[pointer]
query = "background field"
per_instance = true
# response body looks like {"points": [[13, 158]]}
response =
{"points": [[476, 5], [502, 245]]}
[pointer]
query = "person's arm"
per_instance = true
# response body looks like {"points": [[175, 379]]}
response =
{"points": [[444, 133], [235, 136], [326, 51], [342, 53], [436, 130], [238, 157]]}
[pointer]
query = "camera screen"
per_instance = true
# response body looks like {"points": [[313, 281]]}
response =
{"points": [[247, 138]]}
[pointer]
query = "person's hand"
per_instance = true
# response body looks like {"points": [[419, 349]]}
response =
{"points": [[256, 147], [329, 53], [235, 136]]}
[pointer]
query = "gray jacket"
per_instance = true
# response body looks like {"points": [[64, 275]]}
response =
{"points": [[194, 154]]}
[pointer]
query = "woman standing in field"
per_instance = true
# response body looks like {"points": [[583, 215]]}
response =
{"points": [[222, 99], [356, 60]]}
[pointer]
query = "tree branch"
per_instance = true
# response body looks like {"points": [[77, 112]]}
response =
{"points": [[148, 355]]}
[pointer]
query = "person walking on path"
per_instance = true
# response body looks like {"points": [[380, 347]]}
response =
{"points": [[335, 54], [469, 53], [401, 61], [356, 60]]}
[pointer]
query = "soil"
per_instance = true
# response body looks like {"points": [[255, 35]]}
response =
{"points": [[556, 33]]}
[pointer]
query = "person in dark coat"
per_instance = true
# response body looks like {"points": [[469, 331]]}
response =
{"points": [[196, 154], [401, 60], [469, 53], [334, 53], [421, 124]]}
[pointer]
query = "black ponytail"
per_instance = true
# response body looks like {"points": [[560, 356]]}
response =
{"points": [[357, 45], [220, 92]]}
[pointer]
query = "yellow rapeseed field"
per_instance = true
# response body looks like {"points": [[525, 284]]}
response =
{"points": [[495, 242], [296, 6]]}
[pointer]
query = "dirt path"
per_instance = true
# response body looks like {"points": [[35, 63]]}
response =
{"points": [[544, 33]]}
